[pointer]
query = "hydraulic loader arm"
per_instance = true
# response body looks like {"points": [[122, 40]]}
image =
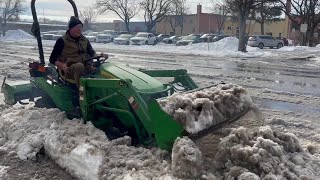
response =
{"points": [[147, 118], [180, 76]]}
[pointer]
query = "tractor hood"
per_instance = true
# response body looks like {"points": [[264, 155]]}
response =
{"points": [[141, 81]]}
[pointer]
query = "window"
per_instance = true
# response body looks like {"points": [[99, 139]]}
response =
{"points": [[229, 27]]}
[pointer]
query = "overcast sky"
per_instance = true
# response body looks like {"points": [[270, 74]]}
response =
{"points": [[62, 10]]}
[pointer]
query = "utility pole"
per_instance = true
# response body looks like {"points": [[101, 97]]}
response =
{"points": [[208, 38]]}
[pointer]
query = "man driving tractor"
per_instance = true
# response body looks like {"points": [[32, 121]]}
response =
{"points": [[71, 52]]}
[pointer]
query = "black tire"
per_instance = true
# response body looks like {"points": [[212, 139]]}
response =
{"points": [[169, 42], [127, 43], [279, 46], [261, 45], [45, 102], [146, 43]]}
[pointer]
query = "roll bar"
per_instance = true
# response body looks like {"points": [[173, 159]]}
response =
{"points": [[36, 27]]}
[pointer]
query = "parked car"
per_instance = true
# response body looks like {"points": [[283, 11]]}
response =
{"points": [[172, 39], [197, 35], [207, 37], [160, 37], [123, 39], [92, 36], [113, 34], [285, 41], [103, 38], [218, 38], [86, 32], [262, 41], [59, 34], [48, 35], [143, 38], [190, 39]]}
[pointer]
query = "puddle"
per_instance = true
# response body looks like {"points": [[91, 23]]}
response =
{"points": [[286, 106]]}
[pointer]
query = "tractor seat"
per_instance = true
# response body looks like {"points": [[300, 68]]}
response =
{"points": [[63, 77], [59, 76]]}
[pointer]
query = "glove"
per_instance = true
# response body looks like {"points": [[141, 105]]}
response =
{"points": [[105, 55]]}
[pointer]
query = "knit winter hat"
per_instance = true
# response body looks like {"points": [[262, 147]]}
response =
{"points": [[74, 21]]}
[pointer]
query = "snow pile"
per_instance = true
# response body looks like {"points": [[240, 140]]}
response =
{"points": [[18, 34], [201, 109], [225, 44], [187, 161], [265, 154], [83, 150]]}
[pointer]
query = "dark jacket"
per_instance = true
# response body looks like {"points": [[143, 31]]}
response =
{"points": [[71, 50]]}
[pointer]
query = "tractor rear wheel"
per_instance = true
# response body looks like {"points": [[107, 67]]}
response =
{"points": [[45, 102]]}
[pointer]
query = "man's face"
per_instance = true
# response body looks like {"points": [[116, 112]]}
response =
{"points": [[76, 31]]}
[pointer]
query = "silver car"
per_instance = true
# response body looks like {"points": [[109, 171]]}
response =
{"points": [[172, 39], [103, 38], [262, 41], [123, 39]]}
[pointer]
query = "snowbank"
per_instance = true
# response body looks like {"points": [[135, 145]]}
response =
{"points": [[83, 150], [201, 109], [16, 35], [86, 153], [225, 44]]}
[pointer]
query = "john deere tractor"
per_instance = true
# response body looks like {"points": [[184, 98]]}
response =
{"points": [[114, 97]]}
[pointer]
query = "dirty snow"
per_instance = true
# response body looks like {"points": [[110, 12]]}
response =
{"points": [[3, 171], [187, 160], [81, 149], [267, 153], [199, 110]]}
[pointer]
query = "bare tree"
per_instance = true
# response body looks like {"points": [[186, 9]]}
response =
{"points": [[243, 9], [88, 16], [154, 11], [125, 9], [10, 9], [267, 11], [175, 17], [307, 11], [223, 12]]}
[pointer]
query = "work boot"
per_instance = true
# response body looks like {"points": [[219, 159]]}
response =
{"points": [[75, 113]]}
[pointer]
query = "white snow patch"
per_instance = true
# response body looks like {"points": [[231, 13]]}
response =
{"points": [[14, 35], [299, 49]]}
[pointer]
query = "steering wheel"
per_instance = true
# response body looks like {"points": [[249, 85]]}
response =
{"points": [[98, 61]]}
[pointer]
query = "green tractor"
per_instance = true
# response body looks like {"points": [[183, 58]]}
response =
{"points": [[115, 98]]}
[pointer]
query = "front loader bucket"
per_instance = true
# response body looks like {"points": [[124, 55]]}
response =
{"points": [[200, 112], [14, 93]]}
